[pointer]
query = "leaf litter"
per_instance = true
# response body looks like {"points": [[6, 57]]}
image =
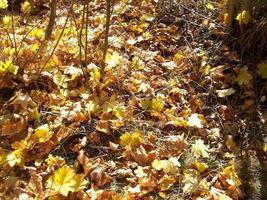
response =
{"points": [[153, 128]]}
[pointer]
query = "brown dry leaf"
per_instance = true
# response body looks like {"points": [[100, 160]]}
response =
{"points": [[113, 146], [16, 125], [247, 104], [142, 157], [99, 177], [103, 126], [217, 72], [226, 112], [123, 173], [173, 146], [85, 162], [148, 182], [23, 101], [94, 138], [35, 184]]}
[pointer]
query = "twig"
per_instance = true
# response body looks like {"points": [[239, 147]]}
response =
{"points": [[13, 28], [105, 47]]}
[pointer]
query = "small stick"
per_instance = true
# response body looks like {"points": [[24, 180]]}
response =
{"points": [[105, 47]]}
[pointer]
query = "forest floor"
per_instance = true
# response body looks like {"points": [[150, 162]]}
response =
{"points": [[178, 113]]}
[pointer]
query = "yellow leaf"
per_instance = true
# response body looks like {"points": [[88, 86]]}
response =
{"points": [[65, 180], [26, 7], [7, 21], [265, 148], [200, 166], [95, 74], [37, 32], [230, 143], [15, 157], [210, 6], [119, 111], [231, 177], [54, 160], [145, 104], [192, 182], [8, 67], [243, 17], [262, 69], [178, 121], [200, 149], [168, 166], [178, 58], [166, 182], [157, 104], [140, 172], [244, 77], [43, 133], [3, 4], [131, 140], [112, 60]]}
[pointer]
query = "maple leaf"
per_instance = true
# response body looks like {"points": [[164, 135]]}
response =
{"points": [[65, 180], [166, 182], [43, 133], [15, 157], [157, 105], [200, 149], [230, 176], [262, 69], [8, 67], [168, 166], [3, 4], [131, 139], [244, 77], [26, 7], [112, 60], [192, 184], [7, 21]]}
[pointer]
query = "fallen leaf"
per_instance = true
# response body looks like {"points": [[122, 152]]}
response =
{"points": [[166, 182], [244, 77], [225, 92], [196, 120], [262, 69], [65, 180], [243, 17], [103, 126], [200, 149]]}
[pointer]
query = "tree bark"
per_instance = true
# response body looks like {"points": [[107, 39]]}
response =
{"points": [[52, 19]]}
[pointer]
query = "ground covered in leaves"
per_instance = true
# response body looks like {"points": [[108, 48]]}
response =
{"points": [[176, 115]]}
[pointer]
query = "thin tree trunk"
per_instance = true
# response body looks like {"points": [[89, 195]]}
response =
{"points": [[105, 47], [52, 19]]}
